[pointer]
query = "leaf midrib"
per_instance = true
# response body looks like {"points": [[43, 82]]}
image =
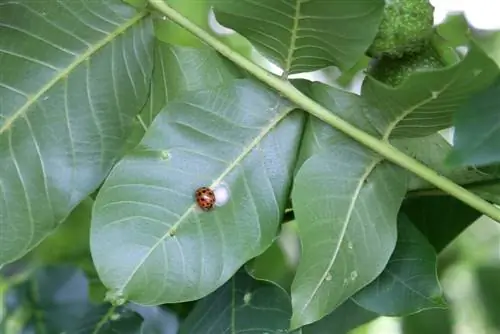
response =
{"points": [[434, 95], [293, 38], [172, 230], [63, 74], [350, 211]]}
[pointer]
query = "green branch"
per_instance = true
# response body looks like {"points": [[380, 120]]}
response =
{"points": [[289, 91]]}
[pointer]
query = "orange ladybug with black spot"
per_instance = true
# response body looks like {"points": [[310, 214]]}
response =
{"points": [[207, 198]]}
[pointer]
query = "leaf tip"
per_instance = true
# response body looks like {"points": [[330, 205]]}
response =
{"points": [[299, 320]]}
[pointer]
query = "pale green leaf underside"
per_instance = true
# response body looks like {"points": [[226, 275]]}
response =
{"points": [[149, 240], [304, 35], [426, 102], [242, 305], [73, 75], [409, 283], [345, 201]]}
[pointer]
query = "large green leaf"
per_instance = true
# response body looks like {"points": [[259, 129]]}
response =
{"points": [[345, 200], [409, 282], [302, 36], [73, 76], [426, 101], [345, 318], [242, 305], [476, 140], [150, 241], [440, 218]]}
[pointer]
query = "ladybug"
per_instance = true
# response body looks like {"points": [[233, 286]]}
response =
{"points": [[205, 197]]}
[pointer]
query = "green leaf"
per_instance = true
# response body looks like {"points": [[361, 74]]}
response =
{"points": [[348, 106], [425, 102], [150, 242], [70, 241], [345, 318], [302, 36], [197, 11], [476, 139], [489, 41], [141, 4], [242, 305], [435, 321], [440, 218], [345, 200], [454, 30], [73, 76], [409, 282], [272, 266], [177, 70]]}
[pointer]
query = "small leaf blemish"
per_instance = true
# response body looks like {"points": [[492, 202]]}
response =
{"points": [[247, 298], [165, 155]]}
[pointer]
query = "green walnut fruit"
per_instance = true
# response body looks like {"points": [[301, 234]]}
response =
{"points": [[392, 71], [406, 26]]}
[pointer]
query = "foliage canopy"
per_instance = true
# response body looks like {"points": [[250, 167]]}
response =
{"points": [[113, 113]]}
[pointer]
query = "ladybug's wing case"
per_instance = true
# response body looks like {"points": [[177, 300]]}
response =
{"points": [[205, 198]]}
